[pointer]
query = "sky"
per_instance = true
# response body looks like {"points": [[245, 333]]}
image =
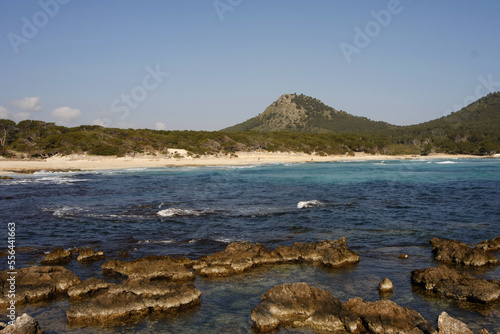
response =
{"points": [[210, 64]]}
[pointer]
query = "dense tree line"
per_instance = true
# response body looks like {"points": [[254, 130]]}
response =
{"points": [[473, 130], [41, 139]]}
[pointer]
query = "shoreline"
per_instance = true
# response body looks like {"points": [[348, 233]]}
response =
{"points": [[92, 163]]}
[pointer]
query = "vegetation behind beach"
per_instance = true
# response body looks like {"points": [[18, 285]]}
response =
{"points": [[294, 123]]}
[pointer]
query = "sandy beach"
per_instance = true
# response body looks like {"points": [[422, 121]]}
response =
{"points": [[86, 162]]}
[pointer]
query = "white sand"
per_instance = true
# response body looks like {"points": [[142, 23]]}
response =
{"points": [[84, 162]]}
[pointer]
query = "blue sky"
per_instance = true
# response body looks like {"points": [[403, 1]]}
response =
{"points": [[209, 64]]}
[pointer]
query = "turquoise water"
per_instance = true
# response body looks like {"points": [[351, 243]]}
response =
{"points": [[382, 208]]}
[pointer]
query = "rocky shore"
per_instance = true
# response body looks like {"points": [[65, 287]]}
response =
{"points": [[162, 284]]}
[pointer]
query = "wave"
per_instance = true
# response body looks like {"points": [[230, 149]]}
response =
{"points": [[309, 204], [147, 241], [176, 212], [65, 211], [66, 178], [446, 162]]}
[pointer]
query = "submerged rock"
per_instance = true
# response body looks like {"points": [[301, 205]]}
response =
{"points": [[35, 284], [57, 256], [492, 245], [238, 257], [456, 285], [88, 255], [152, 267], [87, 288], [118, 302], [457, 252], [23, 325], [332, 253], [385, 316], [450, 325], [300, 305]]}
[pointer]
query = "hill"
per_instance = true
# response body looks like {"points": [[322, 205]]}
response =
{"points": [[312, 127], [473, 129], [300, 113]]}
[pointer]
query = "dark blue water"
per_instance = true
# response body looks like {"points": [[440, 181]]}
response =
{"points": [[382, 208]]}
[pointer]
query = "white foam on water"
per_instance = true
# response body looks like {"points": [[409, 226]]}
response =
{"points": [[224, 240], [147, 241], [309, 204], [176, 212], [64, 211], [446, 162]]}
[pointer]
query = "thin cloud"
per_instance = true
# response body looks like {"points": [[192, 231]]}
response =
{"points": [[28, 104], [66, 114], [21, 116], [160, 126], [4, 113]]}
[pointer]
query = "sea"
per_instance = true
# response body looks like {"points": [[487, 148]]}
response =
{"points": [[383, 208]]}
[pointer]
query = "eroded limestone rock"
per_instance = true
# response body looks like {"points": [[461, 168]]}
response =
{"points": [[454, 251], [36, 284], [457, 285]]}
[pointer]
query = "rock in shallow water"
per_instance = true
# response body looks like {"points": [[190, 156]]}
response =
{"points": [[385, 316], [492, 245], [450, 325], [36, 284], [57, 256], [300, 305], [23, 325], [385, 285], [457, 252], [88, 255], [118, 302], [153, 267], [456, 285], [238, 257]]}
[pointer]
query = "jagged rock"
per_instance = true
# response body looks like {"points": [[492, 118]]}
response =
{"points": [[87, 255], [457, 252], [490, 245], [300, 305], [385, 316], [35, 284], [236, 258], [241, 256], [329, 253], [23, 325], [132, 298], [454, 284], [87, 288], [450, 325], [57, 256], [385, 285], [153, 267]]}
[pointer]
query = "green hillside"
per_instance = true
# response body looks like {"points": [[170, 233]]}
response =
{"points": [[474, 129], [311, 127], [300, 113]]}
